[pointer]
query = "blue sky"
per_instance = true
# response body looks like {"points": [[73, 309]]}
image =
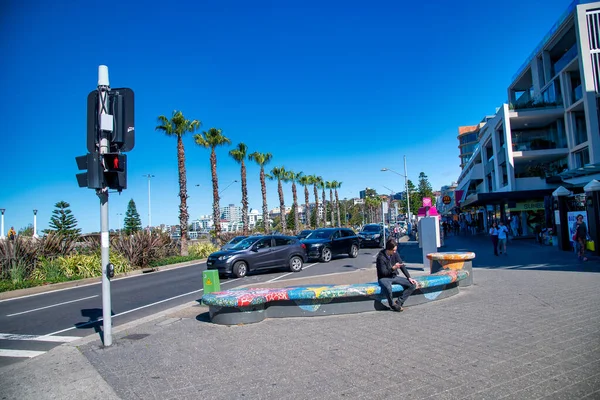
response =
{"points": [[339, 89]]}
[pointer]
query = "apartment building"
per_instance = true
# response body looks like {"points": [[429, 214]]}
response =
{"points": [[547, 134]]}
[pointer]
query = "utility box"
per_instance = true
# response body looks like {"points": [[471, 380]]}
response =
{"points": [[210, 281]]}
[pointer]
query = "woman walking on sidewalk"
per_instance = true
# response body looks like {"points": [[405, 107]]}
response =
{"points": [[581, 237], [494, 236]]}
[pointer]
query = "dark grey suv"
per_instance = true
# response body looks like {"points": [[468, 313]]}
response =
{"points": [[325, 243], [259, 253]]}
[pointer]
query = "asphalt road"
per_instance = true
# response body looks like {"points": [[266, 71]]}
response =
{"points": [[32, 325]]}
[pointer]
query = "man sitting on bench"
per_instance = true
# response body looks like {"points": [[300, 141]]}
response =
{"points": [[388, 262]]}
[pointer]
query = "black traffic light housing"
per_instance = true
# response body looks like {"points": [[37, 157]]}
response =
{"points": [[115, 171], [120, 104], [93, 178]]}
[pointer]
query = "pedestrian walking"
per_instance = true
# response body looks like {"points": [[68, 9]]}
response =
{"points": [[388, 263], [580, 237], [494, 236], [502, 237]]}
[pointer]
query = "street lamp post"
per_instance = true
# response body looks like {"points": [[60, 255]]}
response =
{"points": [[149, 176], [406, 188], [2, 231], [226, 187], [35, 223]]}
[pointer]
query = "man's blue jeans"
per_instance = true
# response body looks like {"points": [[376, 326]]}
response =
{"points": [[386, 288]]}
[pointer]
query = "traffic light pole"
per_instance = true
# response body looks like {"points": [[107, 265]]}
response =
{"points": [[103, 88]]}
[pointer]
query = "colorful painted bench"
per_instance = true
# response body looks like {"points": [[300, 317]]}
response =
{"points": [[248, 305], [453, 261]]}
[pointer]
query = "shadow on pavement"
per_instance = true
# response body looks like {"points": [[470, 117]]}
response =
{"points": [[95, 321]]}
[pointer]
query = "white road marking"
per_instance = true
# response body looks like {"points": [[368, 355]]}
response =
{"points": [[53, 305], [20, 353], [130, 311], [98, 283], [290, 273], [45, 338]]}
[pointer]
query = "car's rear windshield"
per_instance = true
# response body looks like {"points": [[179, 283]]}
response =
{"points": [[320, 235], [246, 243], [371, 228]]}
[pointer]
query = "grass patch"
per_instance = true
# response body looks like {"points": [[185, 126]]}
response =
{"points": [[173, 260], [7, 285]]}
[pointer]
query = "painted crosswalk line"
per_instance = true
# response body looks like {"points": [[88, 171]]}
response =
{"points": [[20, 353], [39, 338]]}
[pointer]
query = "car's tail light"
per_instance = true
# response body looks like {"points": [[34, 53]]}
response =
{"points": [[303, 246]]}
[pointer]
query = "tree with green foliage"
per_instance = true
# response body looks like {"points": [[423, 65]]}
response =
{"points": [[178, 126], [27, 231], [424, 189], [63, 221], [290, 222], [132, 222], [212, 139]]}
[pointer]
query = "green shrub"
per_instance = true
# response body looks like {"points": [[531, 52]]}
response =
{"points": [[77, 266], [142, 248], [18, 273], [16, 255], [201, 250]]}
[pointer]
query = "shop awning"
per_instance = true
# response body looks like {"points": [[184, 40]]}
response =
{"points": [[483, 199]]}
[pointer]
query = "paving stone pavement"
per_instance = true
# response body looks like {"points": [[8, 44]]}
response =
{"points": [[528, 328]]}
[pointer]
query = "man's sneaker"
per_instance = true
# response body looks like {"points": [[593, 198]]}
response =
{"points": [[397, 307]]}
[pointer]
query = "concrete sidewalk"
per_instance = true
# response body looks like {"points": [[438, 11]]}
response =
{"points": [[528, 328]]}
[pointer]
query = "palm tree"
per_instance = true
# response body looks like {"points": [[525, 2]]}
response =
{"points": [[263, 159], [322, 185], [279, 174], [178, 126], [213, 138], [293, 177], [239, 155], [304, 180], [315, 180], [329, 185], [336, 185]]}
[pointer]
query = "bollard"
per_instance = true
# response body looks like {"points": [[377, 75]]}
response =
{"points": [[210, 281]]}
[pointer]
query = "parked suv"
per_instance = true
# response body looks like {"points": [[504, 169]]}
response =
{"points": [[325, 243], [372, 235], [259, 253]]}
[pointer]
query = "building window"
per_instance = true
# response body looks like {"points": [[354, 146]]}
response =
{"points": [[580, 128], [582, 158]]}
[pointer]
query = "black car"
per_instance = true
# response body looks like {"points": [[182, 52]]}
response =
{"points": [[372, 235], [259, 253], [303, 234], [325, 243]]}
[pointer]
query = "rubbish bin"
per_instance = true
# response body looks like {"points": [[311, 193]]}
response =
{"points": [[210, 281]]}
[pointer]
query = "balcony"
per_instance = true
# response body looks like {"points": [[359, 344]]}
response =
{"points": [[564, 60], [535, 144], [532, 183]]}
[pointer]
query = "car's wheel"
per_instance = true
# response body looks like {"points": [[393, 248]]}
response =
{"points": [[295, 264], [326, 254], [353, 251], [240, 269]]}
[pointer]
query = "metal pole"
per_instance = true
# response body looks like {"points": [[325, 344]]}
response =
{"points": [[407, 197], [103, 88], [35, 223], [149, 206], [2, 231], [383, 220]]}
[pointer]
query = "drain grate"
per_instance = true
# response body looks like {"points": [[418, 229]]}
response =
{"points": [[136, 336]]}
